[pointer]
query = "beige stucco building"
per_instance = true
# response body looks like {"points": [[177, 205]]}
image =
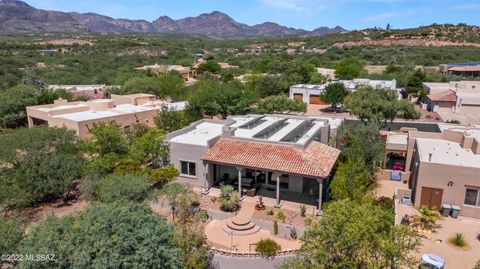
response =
{"points": [[79, 116], [442, 168]]}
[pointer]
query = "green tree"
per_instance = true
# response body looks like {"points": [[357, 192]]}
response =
{"points": [[352, 179], [173, 194], [107, 148], [349, 68], [170, 120], [269, 85], [280, 104], [13, 102], [317, 78], [358, 235], [39, 164], [209, 66], [188, 235], [31, 79], [149, 149], [378, 105], [107, 138], [163, 86], [364, 139], [110, 235], [222, 99], [414, 82], [121, 188], [334, 94], [406, 110]]}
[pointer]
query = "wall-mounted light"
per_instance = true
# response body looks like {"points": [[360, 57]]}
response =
{"points": [[450, 183]]}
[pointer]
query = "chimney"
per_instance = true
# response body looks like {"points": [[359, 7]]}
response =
{"points": [[430, 157], [60, 101], [228, 131]]}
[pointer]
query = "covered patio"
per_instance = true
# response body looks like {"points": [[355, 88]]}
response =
{"points": [[267, 169]]}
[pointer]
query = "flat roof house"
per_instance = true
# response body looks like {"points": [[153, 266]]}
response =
{"points": [[444, 167], [310, 93], [453, 96], [284, 157], [80, 116]]}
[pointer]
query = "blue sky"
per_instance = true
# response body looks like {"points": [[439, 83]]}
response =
{"points": [[306, 14]]}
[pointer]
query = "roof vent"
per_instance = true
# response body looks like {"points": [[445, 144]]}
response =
{"points": [[430, 157]]}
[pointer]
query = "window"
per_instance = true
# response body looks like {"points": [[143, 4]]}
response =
{"points": [[472, 197], [188, 168]]}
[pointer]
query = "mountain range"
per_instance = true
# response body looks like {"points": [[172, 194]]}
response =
{"points": [[17, 16]]}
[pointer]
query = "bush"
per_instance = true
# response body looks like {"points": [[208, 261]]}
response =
{"points": [[228, 198], [280, 215], [293, 233], [164, 175], [115, 188], [267, 247], [269, 212], [11, 233], [110, 235], [275, 227], [458, 240], [38, 165], [427, 219], [303, 210]]}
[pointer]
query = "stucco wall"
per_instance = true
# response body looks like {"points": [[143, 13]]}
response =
{"points": [[190, 153], [438, 176], [305, 92]]}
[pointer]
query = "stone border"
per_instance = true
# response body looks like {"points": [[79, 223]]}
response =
{"points": [[239, 254]]}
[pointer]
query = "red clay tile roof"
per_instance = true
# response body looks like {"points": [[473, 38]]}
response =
{"points": [[446, 96], [316, 160]]}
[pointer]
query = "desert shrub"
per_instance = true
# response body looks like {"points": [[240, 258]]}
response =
{"points": [[114, 188], [293, 233], [11, 233], [280, 215], [458, 240], [228, 198], [303, 210], [427, 219], [267, 247], [113, 235], [269, 212]]}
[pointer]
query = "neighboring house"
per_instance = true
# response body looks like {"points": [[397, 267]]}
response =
{"points": [[470, 69], [185, 72], [452, 96], [310, 93], [125, 110], [96, 91], [441, 168], [271, 155]]}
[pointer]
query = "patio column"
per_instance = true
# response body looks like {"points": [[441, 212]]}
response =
{"points": [[206, 184], [239, 182], [320, 190], [277, 202]]}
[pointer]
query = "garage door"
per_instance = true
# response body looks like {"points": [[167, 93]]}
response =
{"points": [[431, 197], [315, 100], [298, 97]]}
